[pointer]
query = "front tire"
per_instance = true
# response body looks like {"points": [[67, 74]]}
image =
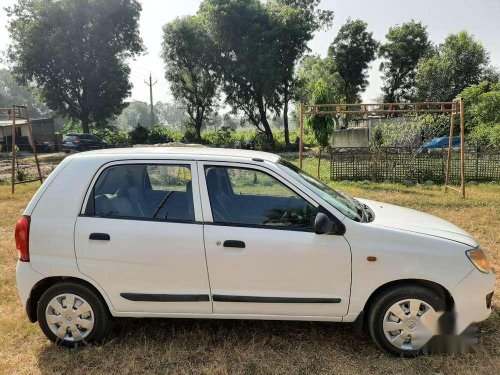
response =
{"points": [[403, 320], [71, 315]]}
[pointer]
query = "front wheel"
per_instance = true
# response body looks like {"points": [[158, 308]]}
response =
{"points": [[71, 314], [403, 320]]}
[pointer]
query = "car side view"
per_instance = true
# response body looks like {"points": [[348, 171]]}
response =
{"points": [[81, 142], [236, 234]]}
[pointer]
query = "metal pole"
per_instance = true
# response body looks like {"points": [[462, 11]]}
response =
{"points": [[301, 134], [462, 147], [450, 145], [33, 146], [13, 147], [151, 84]]}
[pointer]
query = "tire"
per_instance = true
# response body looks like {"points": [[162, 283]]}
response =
{"points": [[61, 326], [406, 333]]}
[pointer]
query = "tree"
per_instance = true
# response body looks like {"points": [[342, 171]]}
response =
{"points": [[321, 125], [170, 114], [136, 113], [248, 57], [13, 93], [296, 21], [75, 52], [189, 55], [460, 61], [482, 113], [313, 69], [351, 53], [406, 45]]}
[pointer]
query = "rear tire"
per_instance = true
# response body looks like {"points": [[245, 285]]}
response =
{"points": [[71, 315], [403, 320]]}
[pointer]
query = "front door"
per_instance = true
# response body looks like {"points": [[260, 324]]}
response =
{"points": [[262, 253], [141, 238]]}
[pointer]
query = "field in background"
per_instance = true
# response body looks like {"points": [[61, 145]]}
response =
{"points": [[138, 346]]}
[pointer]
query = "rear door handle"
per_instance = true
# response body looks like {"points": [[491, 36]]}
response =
{"points": [[99, 236], [234, 243]]}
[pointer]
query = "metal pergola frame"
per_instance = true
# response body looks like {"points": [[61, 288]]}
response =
{"points": [[19, 116], [453, 108]]}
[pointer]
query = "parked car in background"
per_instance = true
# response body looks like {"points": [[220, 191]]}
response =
{"points": [[236, 234], [81, 142]]}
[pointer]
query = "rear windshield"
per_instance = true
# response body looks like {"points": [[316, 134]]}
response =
{"points": [[70, 138]]}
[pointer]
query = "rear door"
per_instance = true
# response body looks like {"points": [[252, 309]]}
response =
{"points": [[263, 255], [140, 237]]}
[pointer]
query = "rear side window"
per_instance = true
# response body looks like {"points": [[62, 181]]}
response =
{"points": [[143, 191]]}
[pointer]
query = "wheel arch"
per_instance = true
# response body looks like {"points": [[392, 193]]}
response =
{"points": [[431, 285], [43, 285]]}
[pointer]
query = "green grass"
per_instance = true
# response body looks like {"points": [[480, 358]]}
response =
{"points": [[169, 346]]}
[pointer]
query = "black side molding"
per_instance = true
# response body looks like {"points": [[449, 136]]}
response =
{"points": [[142, 297], [252, 299]]}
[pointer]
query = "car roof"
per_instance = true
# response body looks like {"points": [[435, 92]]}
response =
{"points": [[192, 153]]}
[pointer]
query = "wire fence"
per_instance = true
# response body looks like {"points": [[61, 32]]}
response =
{"points": [[396, 164]]}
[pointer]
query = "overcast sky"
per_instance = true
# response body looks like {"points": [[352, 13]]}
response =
{"points": [[480, 18]]}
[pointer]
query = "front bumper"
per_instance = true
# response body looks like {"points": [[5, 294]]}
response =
{"points": [[470, 297]]}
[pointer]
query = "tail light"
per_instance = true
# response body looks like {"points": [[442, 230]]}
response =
{"points": [[22, 238]]}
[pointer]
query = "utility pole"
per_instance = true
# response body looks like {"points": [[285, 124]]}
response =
{"points": [[151, 84]]}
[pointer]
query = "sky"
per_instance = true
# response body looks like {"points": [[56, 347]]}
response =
{"points": [[442, 17]]}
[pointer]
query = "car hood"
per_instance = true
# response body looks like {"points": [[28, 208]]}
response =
{"points": [[392, 216]]}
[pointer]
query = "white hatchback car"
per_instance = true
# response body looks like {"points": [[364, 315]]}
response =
{"points": [[217, 233]]}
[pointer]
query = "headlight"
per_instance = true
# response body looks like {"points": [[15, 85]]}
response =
{"points": [[478, 259]]}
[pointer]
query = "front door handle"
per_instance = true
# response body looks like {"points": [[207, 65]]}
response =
{"points": [[234, 243], [99, 236]]}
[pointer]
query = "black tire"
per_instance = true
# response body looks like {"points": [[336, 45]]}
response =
{"points": [[384, 301], [101, 313]]}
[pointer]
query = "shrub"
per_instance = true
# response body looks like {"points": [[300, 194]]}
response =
{"points": [[139, 135], [114, 138], [159, 134]]}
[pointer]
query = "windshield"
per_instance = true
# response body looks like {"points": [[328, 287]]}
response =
{"points": [[337, 199]]}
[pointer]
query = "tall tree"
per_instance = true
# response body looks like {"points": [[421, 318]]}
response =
{"points": [[295, 24], [75, 52], [248, 58], [406, 44], [352, 50], [13, 93], [461, 61], [189, 56]]}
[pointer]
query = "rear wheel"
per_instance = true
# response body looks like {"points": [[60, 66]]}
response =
{"points": [[72, 315], [403, 320]]}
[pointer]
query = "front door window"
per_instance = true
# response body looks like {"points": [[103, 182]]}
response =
{"points": [[250, 197]]}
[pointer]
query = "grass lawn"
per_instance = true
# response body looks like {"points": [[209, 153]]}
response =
{"points": [[137, 346]]}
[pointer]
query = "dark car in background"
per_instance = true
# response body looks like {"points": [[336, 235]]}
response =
{"points": [[81, 142]]}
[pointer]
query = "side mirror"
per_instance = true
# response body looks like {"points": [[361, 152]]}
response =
{"points": [[324, 225]]}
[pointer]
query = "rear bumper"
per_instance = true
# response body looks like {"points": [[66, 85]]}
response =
{"points": [[471, 298], [71, 147], [26, 279]]}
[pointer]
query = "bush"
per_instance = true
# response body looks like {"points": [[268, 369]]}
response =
{"points": [[139, 135], [114, 138], [159, 134], [487, 136]]}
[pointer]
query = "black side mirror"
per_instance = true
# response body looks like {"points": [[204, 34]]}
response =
{"points": [[324, 225]]}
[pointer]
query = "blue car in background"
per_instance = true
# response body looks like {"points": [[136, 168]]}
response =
{"points": [[440, 142]]}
